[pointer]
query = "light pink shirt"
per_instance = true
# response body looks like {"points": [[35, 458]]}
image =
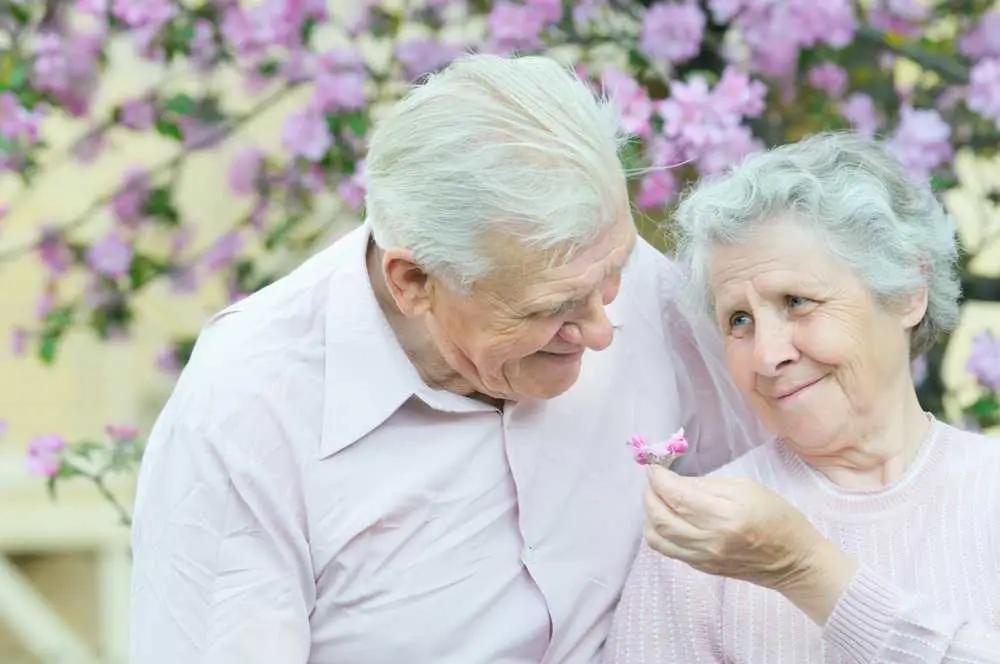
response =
{"points": [[306, 498]]}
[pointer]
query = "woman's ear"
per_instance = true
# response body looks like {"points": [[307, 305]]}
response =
{"points": [[913, 308]]}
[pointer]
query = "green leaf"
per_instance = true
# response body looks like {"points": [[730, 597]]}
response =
{"points": [[277, 235], [86, 448], [169, 129], [985, 408], [943, 183], [160, 205], [48, 346], [20, 13], [143, 270], [18, 76], [357, 123], [181, 104]]}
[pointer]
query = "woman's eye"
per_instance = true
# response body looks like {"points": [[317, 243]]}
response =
{"points": [[794, 301], [739, 319]]}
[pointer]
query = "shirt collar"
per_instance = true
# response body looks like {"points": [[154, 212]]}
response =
{"points": [[368, 375]]}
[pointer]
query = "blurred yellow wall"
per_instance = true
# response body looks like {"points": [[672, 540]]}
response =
{"points": [[93, 384]]}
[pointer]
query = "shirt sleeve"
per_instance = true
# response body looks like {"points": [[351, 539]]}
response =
{"points": [[876, 622], [222, 571], [668, 614], [717, 420]]}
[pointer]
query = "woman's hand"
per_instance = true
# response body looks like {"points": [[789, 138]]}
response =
{"points": [[736, 528]]}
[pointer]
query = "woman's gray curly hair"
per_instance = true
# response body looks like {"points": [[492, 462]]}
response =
{"points": [[892, 231]]}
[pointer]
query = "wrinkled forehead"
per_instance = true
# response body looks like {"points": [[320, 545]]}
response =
{"points": [[526, 270]]}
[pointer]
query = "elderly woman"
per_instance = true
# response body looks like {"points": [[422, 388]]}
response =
{"points": [[866, 531]]}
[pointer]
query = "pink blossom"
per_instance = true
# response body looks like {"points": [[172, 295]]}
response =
{"points": [[306, 135], [859, 109], [341, 91], [53, 252], [662, 453], [45, 455], [635, 109], [110, 256], [18, 123], [705, 125], [129, 203], [66, 68], [656, 190], [983, 41], [3, 428], [44, 305], [138, 114], [551, 10], [672, 32], [419, 56], [984, 89], [120, 433], [984, 360], [166, 360], [89, 146], [18, 341], [900, 16], [204, 50], [351, 190], [515, 27], [829, 78], [921, 141], [775, 32], [223, 251], [245, 171], [92, 7]]}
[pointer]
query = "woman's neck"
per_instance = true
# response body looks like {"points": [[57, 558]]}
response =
{"points": [[879, 454]]}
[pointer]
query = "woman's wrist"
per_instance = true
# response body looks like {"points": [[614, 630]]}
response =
{"points": [[823, 577]]}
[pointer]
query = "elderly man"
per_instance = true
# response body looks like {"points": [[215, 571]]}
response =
{"points": [[404, 450]]}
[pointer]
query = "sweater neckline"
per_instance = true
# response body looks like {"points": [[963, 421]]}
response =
{"points": [[914, 485]]}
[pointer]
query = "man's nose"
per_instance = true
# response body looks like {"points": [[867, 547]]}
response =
{"points": [[591, 327]]}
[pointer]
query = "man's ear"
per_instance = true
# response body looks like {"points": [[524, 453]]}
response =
{"points": [[408, 283], [913, 308]]}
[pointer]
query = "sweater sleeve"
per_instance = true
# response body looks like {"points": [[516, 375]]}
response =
{"points": [[876, 622], [668, 614]]}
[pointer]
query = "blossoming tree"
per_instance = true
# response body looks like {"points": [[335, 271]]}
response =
{"points": [[697, 83]]}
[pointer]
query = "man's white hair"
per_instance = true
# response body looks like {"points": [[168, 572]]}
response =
{"points": [[519, 145], [894, 233]]}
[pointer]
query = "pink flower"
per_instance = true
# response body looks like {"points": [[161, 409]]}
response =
{"points": [[351, 190], [111, 256], [3, 427], [306, 135], [137, 114], [859, 109], [983, 41], [900, 16], [656, 190], [341, 91], [921, 141], [672, 32], [515, 27], [984, 89], [18, 123], [44, 455], [18, 341], [223, 251], [53, 252], [419, 56], [245, 171], [829, 78], [551, 10], [635, 109], [129, 203], [120, 433], [662, 453]]}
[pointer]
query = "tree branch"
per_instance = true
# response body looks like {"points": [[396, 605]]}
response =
{"points": [[951, 70], [981, 289]]}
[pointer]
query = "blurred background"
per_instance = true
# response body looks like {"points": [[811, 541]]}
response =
{"points": [[160, 159]]}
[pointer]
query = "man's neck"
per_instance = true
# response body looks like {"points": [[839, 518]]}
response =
{"points": [[414, 339]]}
